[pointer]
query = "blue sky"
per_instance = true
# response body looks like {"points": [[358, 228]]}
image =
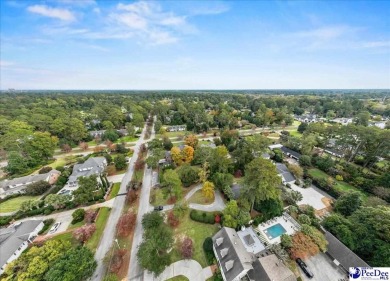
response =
{"points": [[70, 44]]}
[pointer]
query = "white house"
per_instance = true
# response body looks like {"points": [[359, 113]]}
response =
{"points": [[15, 239], [93, 166]]}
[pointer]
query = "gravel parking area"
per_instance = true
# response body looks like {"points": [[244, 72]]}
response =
{"points": [[323, 269]]}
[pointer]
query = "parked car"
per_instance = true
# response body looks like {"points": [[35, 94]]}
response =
{"points": [[54, 227], [158, 208], [304, 268]]}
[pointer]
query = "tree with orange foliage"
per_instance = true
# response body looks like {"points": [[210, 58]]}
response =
{"points": [[302, 246], [66, 148], [176, 155], [188, 154], [98, 149], [191, 140], [83, 145]]}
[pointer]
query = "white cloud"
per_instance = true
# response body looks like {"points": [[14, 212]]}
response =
{"points": [[131, 20], [323, 33], [376, 44], [4, 63], [151, 23], [57, 13]]}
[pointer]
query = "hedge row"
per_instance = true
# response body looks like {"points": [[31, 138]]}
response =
{"points": [[204, 217], [46, 224]]}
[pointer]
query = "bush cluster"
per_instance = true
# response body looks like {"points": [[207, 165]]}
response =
{"points": [[204, 217], [208, 250], [46, 224]]}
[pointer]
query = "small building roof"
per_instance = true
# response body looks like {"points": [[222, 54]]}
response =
{"points": [[273, 146], [275, 269], [291, 152], [338, 251], [250, 240]]}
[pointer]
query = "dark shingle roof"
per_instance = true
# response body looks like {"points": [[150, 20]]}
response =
{"points": [[291, 152], [342, 253]]}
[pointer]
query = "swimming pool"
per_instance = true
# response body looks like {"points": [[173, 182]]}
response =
{"points": [[275, 231]]}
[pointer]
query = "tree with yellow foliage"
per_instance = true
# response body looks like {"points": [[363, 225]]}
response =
{"points": [[208, 190], [191, 140], [176, 155], [204, 172], [187, 154]]}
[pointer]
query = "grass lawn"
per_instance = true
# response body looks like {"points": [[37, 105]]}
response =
{"points": [[198, 198], [126, 139], [14, 204], [76, 225], [382, 163], [67, 237], [340, 185], [100, 223], [178, 278], [296, 134], [198, 232], [114, 190], [273, 135], [63, 160], [173, 134]]}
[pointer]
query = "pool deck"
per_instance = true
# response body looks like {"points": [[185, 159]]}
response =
{"points": [[290, 225]]}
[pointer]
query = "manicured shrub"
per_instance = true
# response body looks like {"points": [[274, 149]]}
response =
{"points": [[46, 224], [78, 216], [208, 250], [204, 217]]}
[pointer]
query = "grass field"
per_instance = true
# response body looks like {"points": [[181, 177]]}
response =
{"points": [[67, 236], [198, 198], [114, 190], [100, 223], [126, 139], [62, 161], [14, 204], [76, 225], [339, 185], [296, 134], [198, 232]]}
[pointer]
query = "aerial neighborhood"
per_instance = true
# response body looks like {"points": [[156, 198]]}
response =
{"points": [[233, 194]]}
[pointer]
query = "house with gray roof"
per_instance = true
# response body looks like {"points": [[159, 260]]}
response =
{"points": [[18, 185], [341, 255], [15, 239], [92, 166], [242, 256]]}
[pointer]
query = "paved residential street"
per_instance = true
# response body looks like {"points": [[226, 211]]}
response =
{"points": [[116, 211], [135, 272]]}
